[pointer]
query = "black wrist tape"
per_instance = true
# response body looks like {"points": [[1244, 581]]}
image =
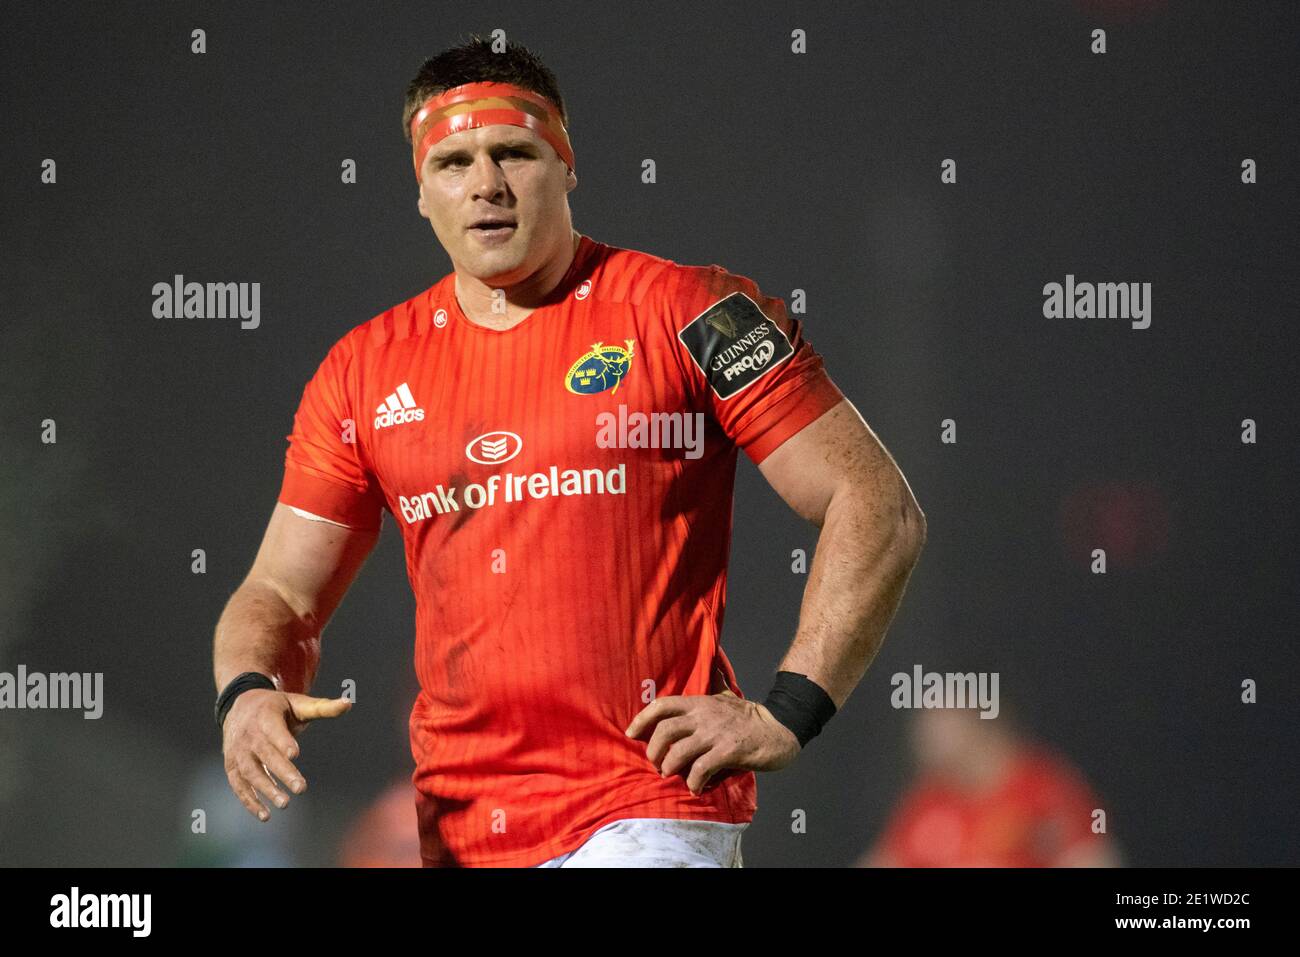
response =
{"points": [[241, 683], [799, 704]]}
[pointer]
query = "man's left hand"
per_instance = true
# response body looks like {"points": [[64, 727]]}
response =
{"points": [[700, 736]]}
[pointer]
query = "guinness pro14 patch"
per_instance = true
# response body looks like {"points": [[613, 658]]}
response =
{"points": [[735, 344]]}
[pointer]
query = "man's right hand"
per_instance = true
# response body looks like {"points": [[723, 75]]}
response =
{"points": [[259, 740]]}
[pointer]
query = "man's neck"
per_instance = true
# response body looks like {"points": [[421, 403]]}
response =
{"points": [[477, 300]]}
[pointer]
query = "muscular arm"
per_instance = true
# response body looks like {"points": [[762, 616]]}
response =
{"points": [[837, 475], [272, 624], [273, 621]]}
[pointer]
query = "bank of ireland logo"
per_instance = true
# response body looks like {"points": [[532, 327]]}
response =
{"points": [[493, 448], [602, 368]]}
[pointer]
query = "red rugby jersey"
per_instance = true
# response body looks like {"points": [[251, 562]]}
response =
{"points": [[1040, 810], [564, 493]]}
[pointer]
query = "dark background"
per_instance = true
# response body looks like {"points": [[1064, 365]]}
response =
{"points": [[818, 172]]}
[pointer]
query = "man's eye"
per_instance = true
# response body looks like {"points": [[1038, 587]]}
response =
{"points": [[462, 161]]}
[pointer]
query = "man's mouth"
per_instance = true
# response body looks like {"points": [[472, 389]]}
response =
{"points": [[493, 232]]}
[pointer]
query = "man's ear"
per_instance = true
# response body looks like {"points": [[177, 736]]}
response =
{"points": [[419, 204], [570, 181]]}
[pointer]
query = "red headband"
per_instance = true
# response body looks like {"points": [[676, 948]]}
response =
{"points": [[472, 105]]}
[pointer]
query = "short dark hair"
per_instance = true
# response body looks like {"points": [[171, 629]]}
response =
{"points": [[474, 61]]}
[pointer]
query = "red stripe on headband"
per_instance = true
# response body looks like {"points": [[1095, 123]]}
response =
{"points": [[474, 105]]}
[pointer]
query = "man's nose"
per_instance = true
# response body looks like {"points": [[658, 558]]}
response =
{"points": [[488, 180]]}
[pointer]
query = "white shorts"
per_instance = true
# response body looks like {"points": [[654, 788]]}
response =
{"points": [[657, 842]]}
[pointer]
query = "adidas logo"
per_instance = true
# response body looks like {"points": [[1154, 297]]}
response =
{"points": [[398, 408]]}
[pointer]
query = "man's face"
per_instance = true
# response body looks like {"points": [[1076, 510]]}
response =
{"points": [[941, 737], [497, 173]]}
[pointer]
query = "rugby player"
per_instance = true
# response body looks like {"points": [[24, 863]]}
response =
{"points": [[525, 422]]}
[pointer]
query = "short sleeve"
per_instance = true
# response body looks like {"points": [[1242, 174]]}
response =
{"points": [[757, 373], [323, 471]]}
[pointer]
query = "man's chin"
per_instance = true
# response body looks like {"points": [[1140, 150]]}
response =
{"points": [[487, 265]]}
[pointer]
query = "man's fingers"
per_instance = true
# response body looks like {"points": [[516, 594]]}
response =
{"points": [[665, 733], [309, 709], [283, 741], [246, 795], [682, 754], [260, 747], [655, 710], [255, 774], [704, 768], [279, 765]]}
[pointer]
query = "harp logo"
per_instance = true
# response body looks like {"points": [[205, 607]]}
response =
{"points": [[723, 323]]}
